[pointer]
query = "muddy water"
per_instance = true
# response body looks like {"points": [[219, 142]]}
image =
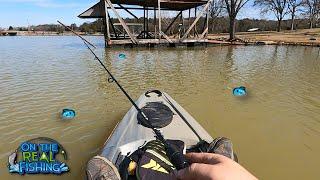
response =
{"points": [[275, 130]]}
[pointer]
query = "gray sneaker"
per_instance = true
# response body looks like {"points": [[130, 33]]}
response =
{"points": [[222, 146], [100, 168]]}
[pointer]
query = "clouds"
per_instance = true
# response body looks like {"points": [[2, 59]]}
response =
{"points": [[250, 12], [34, 12], [48, 3]]}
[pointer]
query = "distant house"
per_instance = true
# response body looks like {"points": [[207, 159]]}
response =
{"points": [[253, 29]]}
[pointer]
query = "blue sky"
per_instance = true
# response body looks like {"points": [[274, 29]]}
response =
{"points": [[34, 12], [20, 12]]}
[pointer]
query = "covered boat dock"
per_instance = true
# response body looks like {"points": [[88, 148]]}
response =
{"points": [[182, 30]]}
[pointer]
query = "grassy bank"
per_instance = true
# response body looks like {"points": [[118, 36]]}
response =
{"points": [[298, 37]]}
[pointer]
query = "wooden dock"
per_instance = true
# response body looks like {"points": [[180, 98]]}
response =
{"points": [[125, 34], [159, 43]]}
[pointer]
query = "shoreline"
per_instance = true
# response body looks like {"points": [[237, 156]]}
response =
{"points": [[45, 33], [262, 43], [301, 37], [304, 37]]}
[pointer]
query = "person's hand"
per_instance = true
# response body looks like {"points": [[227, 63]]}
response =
{"points": [[208, 166]]}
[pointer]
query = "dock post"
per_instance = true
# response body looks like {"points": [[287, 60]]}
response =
{"points": [[159, 17], [155, 22], [189, 19], [144, 22], [147, 23], [195, 26], [207, 22], [112, 25], [106, 24], [195, 21], [182, 20], [124, 25], [108, 28]]}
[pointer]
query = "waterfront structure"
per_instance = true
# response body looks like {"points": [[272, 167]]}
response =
{"points": [[122, 33]]}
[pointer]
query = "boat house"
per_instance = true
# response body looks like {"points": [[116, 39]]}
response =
{"points": [[152, 31]]}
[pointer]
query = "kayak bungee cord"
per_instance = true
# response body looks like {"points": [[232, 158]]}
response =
{"points": [[175, 156], [182, 117]]}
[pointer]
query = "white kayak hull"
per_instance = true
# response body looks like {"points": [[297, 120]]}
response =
{"points": [[128, 135]]}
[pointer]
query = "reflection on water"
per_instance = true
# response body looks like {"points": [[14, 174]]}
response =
{"points": [[275, 129]]}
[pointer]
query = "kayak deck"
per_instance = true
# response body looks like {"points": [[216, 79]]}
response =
{"points": [[129, 135]]}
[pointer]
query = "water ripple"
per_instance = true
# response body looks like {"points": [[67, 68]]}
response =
{"points": [[51, 73]]}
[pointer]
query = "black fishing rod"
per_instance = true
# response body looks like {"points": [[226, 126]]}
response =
{"points": [[175, 156]]}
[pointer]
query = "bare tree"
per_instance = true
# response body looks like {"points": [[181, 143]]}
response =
{"points": [[294, 6], [312, 11], [278, 7], [215, 8], [233, 7]]}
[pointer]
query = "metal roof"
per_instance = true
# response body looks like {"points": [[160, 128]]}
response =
{"points": [[93, 12], [167, 4], [175, 5]]}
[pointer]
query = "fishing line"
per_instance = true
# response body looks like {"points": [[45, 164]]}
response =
{"points": [[176, 157], [182, 117]]}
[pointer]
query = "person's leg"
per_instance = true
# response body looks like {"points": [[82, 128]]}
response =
{"points": [[222, 146], [100, 168]]}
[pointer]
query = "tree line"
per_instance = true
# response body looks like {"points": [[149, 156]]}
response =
{"points": [[223, 18], [308, 9]]}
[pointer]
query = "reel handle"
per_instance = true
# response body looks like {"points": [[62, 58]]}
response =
{"points": [[177, 158]]}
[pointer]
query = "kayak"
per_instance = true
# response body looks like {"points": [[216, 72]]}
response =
{"points": [[151, 139], [171, 119]]}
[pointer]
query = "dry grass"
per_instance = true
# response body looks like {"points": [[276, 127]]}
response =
{"points": [[297, 36]]}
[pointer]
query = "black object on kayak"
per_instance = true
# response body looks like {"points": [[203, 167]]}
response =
{"points": [[68, 114], [175, 156], [239, 91], [159, 114]]}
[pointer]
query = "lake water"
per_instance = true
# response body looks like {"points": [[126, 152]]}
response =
{"points": [[275, 130]]}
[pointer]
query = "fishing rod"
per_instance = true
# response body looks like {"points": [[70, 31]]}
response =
{"points": [[83, 39], [175, 156]]}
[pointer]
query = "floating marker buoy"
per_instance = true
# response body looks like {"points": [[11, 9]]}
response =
{"points": [[68, 114], [122, 56], [239, 91]]}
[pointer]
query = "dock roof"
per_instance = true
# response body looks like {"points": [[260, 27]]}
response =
{"points": [[174, 5], [167, 4]]}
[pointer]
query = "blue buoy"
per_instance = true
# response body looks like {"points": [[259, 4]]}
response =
{"points": [[68, 114], [122, 56], [239, 91]]}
